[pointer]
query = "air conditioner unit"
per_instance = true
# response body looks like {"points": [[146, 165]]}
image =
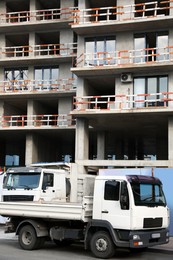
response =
{"points": [[126, 77]]}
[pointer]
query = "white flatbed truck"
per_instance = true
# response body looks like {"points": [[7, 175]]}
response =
{"points": [[109, 211]]}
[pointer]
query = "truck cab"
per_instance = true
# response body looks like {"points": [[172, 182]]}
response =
{"points": [[35, 184], [135, 207]]}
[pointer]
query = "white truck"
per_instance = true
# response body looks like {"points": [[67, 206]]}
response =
{"points": [[104, 212]]}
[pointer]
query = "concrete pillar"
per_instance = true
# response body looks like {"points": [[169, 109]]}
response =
{"points": [[1, 77], [2, 45], [32, 43], [3, 7], [67, 3], [65, 105], [31, 154], [82, 142], [83, 4], [80, 49], [33, 8], [171, 8], [1, 108], [128, 11], [170, 138], [30, 111], [100, 146], [82, 139]]}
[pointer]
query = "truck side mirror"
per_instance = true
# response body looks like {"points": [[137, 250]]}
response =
{"points": [[124, 196]]}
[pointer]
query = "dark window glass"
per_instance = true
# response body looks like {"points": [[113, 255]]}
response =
{"points": [[47, 180], [112, 189]]}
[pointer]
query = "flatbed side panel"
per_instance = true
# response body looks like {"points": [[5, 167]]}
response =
{"points": [[38, 210]]}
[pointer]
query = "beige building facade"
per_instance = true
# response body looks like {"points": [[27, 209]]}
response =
{"points": [[86, 81]]}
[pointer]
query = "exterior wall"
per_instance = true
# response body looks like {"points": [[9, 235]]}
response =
{"points": [[115, 128]]}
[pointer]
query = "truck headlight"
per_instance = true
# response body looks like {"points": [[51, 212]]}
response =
{"points": [[136, 237]]}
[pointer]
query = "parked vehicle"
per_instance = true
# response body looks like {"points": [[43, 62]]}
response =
{"points": [[104, 212]]}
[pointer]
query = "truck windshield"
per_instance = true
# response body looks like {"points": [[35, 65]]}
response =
{"points": [[148, 194], [21, 180]]}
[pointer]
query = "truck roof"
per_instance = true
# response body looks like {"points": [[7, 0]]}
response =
{"points": [[132, 178], [24, 169], [33, 169]]}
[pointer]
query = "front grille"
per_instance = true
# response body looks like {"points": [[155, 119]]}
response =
{"points": [[152, 222], [18, 198]]}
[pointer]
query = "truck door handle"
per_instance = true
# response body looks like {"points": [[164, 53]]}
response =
{"points": [[105, 211]]}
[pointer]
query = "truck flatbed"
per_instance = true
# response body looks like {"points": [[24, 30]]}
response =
{"points": [[54, 210]]}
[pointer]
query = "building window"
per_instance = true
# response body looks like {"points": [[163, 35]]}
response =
{"points": [[151, 47], [154, 87], [12, 160], [46, 77], [16, 74], [100, 51]]}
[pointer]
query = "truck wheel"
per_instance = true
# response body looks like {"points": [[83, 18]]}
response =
{"points": [[101, 245], [27, 238]]}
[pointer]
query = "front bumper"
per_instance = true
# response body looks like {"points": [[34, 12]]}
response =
{"points": [[148, 238]]}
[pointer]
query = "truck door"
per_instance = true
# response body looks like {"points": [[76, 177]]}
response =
{"points": [[112, 209], [48, 190]]}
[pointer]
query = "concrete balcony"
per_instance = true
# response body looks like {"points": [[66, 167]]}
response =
{"points": [[111, 19], [55, 18], [124, 103], [36, 122], [62, 52], [121, 61], [38, 87]]}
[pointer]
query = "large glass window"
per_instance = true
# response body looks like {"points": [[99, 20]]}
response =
{"points": [[149, 91], [151, 47], [100, 51], [16, 74], [46, 76]]}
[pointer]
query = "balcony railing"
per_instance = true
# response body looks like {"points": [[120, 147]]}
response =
{"points": [[146, 10], [122, 101], [66, 49], [42, 121], [125, 57], [33, 86], [62, 14]]}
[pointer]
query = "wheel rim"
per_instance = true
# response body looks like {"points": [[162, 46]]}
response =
{"points": [[27, 238], [101, 245]]}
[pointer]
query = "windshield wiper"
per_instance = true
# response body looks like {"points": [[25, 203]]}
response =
{"points": [[9, 187], [26, 187]]}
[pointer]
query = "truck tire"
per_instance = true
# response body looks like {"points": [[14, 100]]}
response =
{"points": [[101, 245], [28, 239]]}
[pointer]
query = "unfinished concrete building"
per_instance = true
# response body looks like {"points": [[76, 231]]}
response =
{"points": [[86, 81]]}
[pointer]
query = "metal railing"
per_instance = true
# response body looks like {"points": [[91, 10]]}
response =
{"points": [[61, 120], [125, 57], [66, 49], [122, 101], [58, 85], [124, 12], [62, 14]]}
